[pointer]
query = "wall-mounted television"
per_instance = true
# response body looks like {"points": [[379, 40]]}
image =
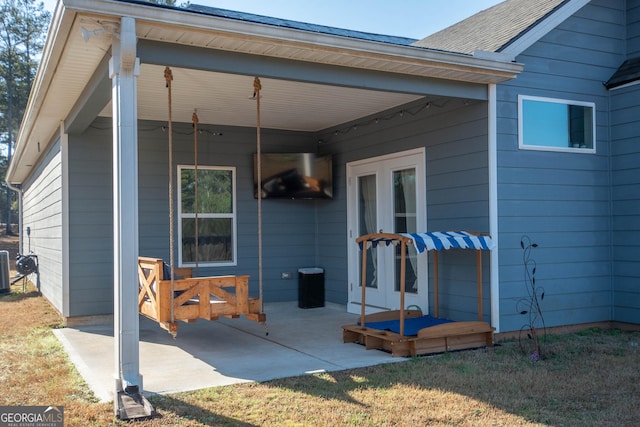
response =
{"points": [[294, 176]]}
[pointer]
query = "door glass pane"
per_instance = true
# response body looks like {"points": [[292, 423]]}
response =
{"points": [[368, 221], [405, 221]]}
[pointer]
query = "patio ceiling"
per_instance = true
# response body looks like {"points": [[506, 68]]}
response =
{"points": [[80, 38], [226, 99]]}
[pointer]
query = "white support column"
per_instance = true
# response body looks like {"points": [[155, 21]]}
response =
{"points": [[492, 131], [123, 70], [64, 152]]}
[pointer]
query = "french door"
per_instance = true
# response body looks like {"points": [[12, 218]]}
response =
{"points": [[386, 194]]}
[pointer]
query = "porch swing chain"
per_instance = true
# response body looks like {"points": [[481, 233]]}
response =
{"points": [[256, 93], [168, 76], [194, 118]]}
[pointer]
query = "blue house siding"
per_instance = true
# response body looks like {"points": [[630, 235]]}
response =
{"points": [[625, 122], [633, 28], [331, 240], [91, 221], [42, 213], [625, 117], [458, 198], [561, 201], [454, 133]]}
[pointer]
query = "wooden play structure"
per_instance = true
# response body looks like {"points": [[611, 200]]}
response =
{"points": [[440, 338], [191, 298]]}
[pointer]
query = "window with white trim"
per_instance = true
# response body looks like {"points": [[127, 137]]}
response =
{"points": [[216, 216], [556, 124]]}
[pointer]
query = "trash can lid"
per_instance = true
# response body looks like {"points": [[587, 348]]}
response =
{"points": [[311, 270]]}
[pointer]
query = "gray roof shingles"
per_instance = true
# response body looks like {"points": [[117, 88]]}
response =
{"points": [[491, 29]]}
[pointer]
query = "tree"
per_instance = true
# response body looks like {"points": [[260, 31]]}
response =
{"points": [[23, 25]]}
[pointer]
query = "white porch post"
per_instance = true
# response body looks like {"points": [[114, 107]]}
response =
{"points": [[493, 205], [123, 70]]}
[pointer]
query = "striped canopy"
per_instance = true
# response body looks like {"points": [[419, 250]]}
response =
{"points": [[438, 240]]}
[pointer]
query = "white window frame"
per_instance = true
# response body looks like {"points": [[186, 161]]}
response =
{"points": [[523, 146], [232, 215]]}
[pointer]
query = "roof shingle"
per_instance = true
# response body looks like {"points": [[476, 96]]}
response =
{"points": [[491, 29]]}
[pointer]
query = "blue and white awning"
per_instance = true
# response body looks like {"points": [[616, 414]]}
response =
{"points": [[438, 240]]}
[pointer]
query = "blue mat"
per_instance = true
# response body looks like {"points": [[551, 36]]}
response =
{"points": [[411, 325]]}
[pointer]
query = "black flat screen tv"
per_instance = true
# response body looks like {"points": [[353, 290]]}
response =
{"points": [[294, 176]]}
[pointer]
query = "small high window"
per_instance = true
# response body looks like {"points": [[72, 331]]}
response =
{"points": [[216, 219], [556, 124]]}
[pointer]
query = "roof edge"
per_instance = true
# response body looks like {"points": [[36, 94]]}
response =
{"points": [[626, 75], [60, 25], [530, 36], [506, 69]]}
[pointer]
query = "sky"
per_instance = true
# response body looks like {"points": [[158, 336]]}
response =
{"points": [[408, 18]]}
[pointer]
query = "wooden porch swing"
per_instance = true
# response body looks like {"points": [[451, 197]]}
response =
{"points": [[386, 330], [168, 294]]}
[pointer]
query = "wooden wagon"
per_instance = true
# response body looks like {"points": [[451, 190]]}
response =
{"points": [[191, 298]]}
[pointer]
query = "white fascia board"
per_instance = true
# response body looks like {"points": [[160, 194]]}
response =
{"points": [[493, 56], [248, 30], [637, 82], [543, 28]]}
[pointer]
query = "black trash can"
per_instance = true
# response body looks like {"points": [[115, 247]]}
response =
{"points": [[310, 287]]}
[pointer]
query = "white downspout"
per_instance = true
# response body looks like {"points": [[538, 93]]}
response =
{"points": [[64, 153], [493, 204]]}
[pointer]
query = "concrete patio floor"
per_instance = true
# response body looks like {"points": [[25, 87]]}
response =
{"points": [[227, 351]]}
